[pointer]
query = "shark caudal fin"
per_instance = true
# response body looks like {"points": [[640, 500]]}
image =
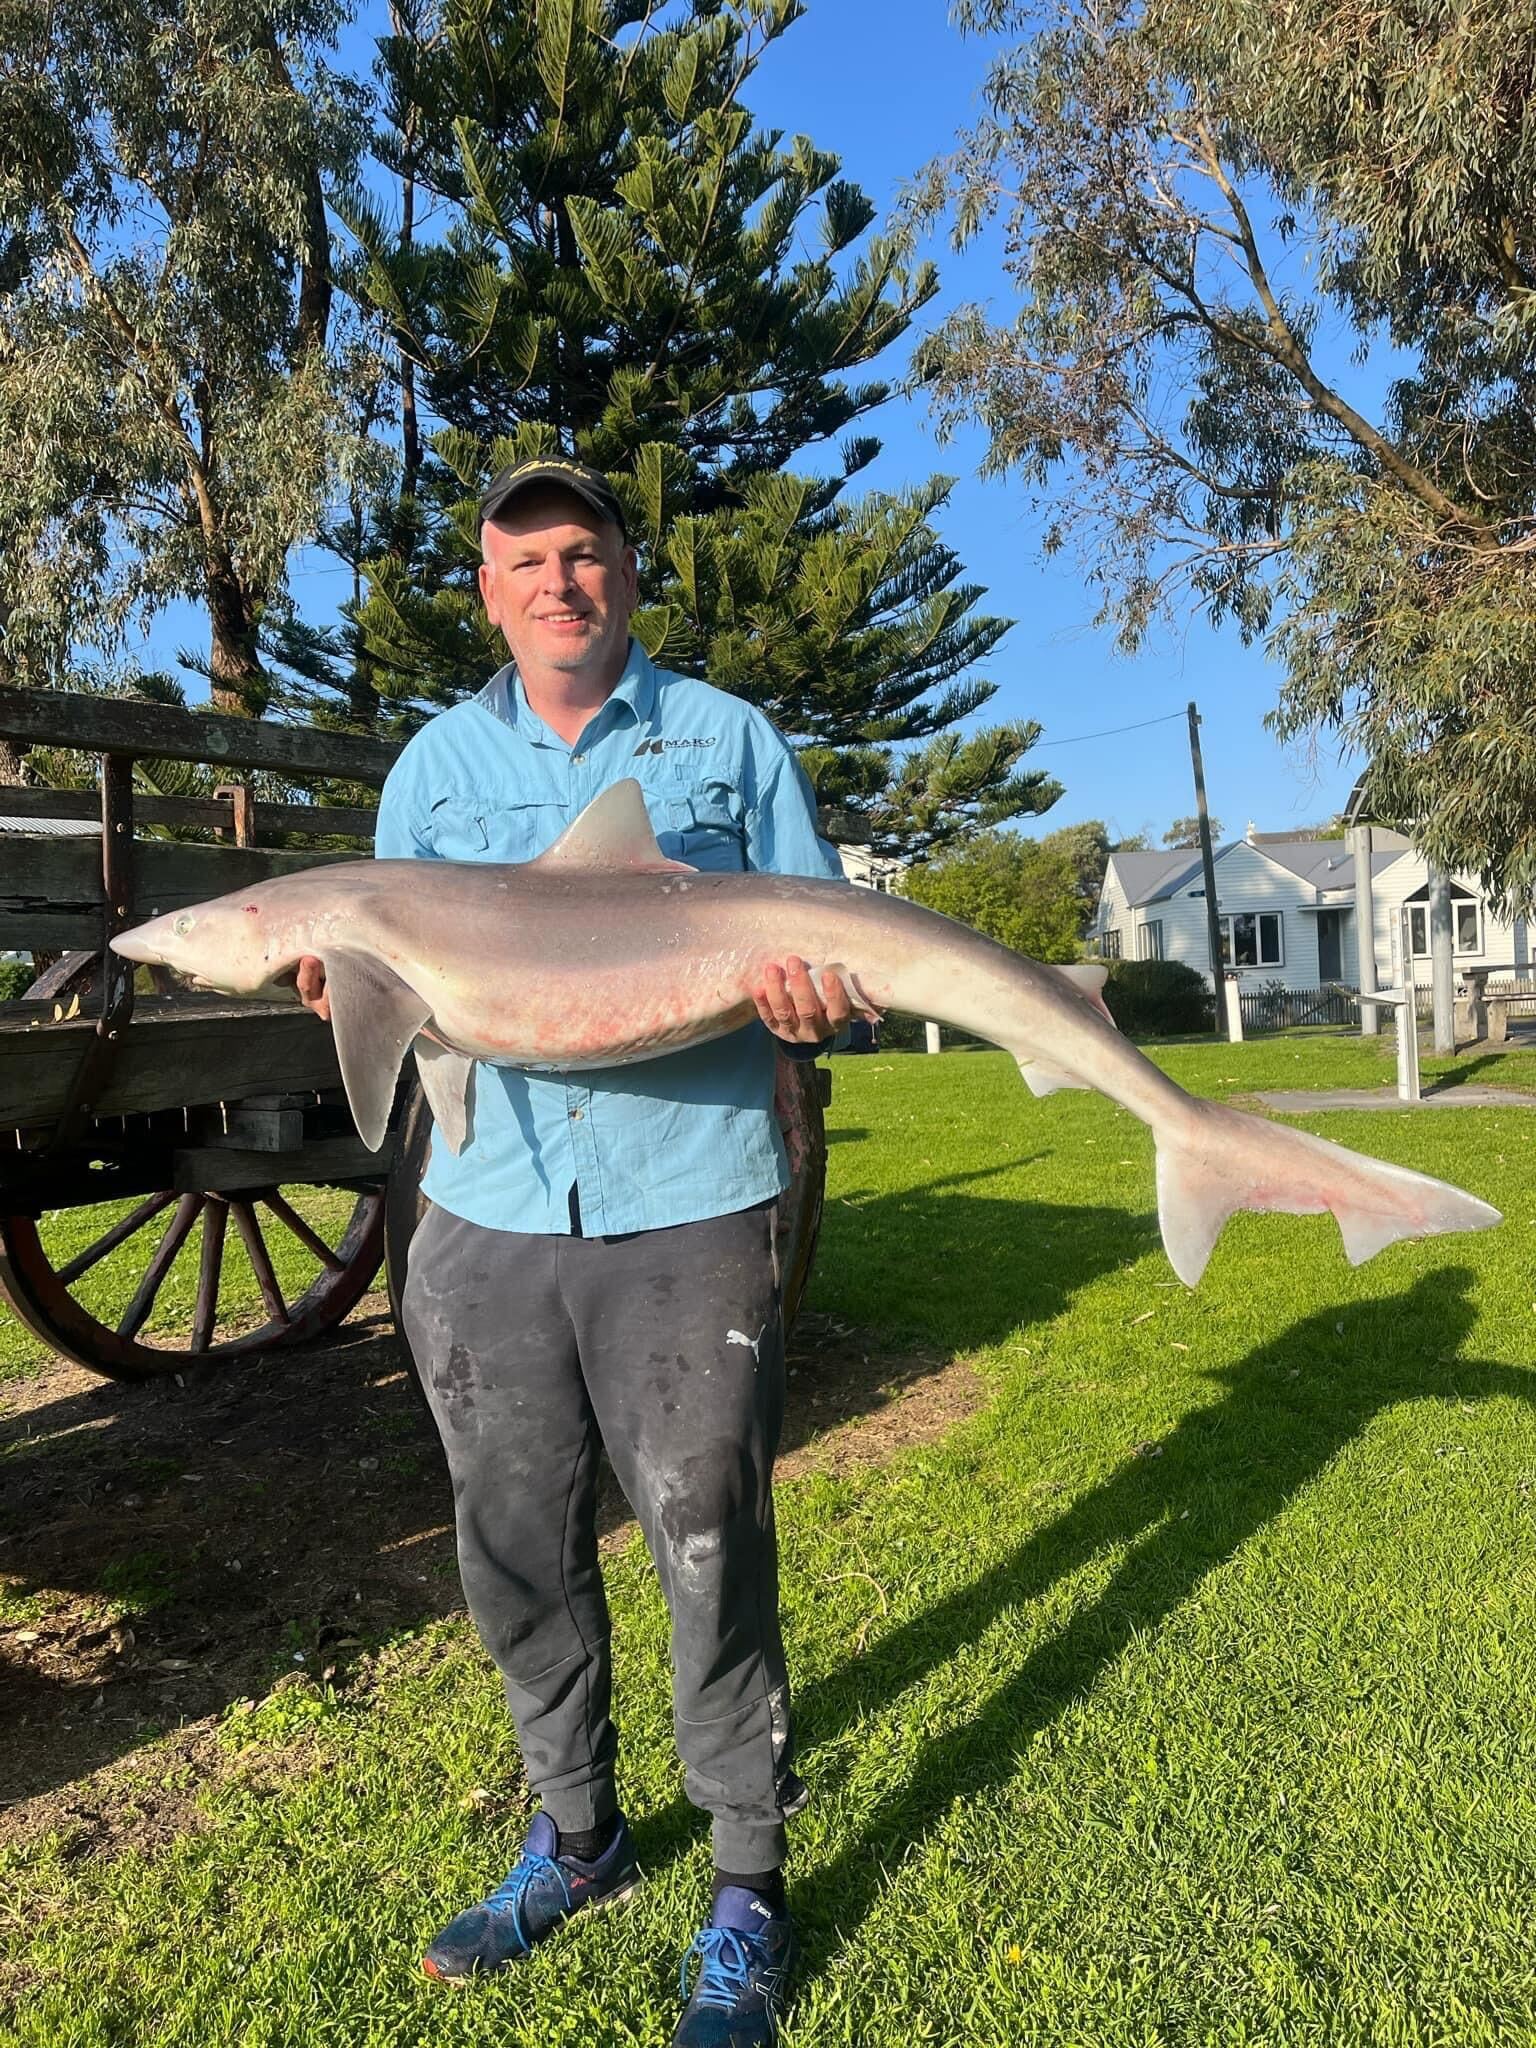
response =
{"points": [[1224, 1160]]}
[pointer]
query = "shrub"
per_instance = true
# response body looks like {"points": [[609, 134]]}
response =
{"points": [[1158, 998], [15, 979]]}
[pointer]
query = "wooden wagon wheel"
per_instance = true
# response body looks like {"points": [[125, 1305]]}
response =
{"points": [[42, 1292], [797, 1102]]}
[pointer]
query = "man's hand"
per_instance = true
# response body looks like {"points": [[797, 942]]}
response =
{"points": [[310, 983], [789, 1005]]}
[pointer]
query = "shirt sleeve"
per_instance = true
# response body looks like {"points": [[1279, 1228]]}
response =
{"points": [[400, 833], [782, 838]]}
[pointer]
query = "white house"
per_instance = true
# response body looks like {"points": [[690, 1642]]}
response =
{"points": [[1287, 909], [869, 870]]}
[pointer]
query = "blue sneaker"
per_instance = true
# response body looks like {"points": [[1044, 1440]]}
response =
{"points": [[746, 1955], [540, 1891]]}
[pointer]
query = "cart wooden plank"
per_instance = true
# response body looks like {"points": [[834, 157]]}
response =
{"points": [[84, 806], [173, 1054], [323, 1161], [162, 732], [51, 889]]}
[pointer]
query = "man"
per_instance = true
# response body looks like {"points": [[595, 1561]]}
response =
{"points": [[598, 1261]]}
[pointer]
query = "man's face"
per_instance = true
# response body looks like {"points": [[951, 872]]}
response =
{"points": [[560, 583]]}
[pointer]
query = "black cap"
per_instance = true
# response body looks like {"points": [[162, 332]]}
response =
{"points": [[590, 485]]}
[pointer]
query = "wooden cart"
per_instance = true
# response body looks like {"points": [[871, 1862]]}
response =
{"points": [[211, 1117]]}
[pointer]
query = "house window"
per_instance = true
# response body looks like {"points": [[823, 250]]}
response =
{"points": [[1252, 938], [1149, 940], [1466, 926], [1109, 945]]}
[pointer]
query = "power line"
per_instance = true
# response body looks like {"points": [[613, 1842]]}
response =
{"points": [[1078, 738]]}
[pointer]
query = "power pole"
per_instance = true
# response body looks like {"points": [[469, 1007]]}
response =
{"points": [[1208, 863]]}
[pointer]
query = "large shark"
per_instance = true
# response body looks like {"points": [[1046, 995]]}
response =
{"points": [[603, 952]]}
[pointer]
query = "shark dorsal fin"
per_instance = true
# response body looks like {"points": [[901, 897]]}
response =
{"points": [[1088, 978], [614, 831]]}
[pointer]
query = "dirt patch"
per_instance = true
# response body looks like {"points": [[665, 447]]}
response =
{"points": [[167, 1549]]}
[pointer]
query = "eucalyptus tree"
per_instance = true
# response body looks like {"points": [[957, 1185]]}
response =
{"points": [[175, 402], [1273, 357], [630, 271]]}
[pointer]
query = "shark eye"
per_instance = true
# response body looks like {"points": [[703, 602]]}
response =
{"points": [[183, 925]]}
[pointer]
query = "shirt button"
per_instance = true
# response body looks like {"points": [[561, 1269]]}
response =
{"points": [[578, 759], [575, 1116]]}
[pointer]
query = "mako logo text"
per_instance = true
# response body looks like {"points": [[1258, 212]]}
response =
{"points": [[664, 746]]}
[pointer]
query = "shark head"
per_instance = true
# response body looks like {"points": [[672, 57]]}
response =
{"points": [[234, 944]]}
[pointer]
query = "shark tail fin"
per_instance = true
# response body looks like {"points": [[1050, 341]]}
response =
{"points": [[1222, 1160]]}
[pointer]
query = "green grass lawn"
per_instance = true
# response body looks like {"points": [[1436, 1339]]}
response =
{"points": [[1181, 1699]]}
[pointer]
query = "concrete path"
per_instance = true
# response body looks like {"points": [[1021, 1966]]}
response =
{"points": [[1302, 1101]]}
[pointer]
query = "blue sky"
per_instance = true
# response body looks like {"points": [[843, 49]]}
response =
{"points": [[887, 84]]}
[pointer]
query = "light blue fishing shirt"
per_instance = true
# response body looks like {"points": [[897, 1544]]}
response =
{"points": [[669, 1140]]}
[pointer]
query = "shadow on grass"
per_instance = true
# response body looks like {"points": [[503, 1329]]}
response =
{"points": [[964, 1271], [299, 1504], [1468, 1070], [1230, 1467]]}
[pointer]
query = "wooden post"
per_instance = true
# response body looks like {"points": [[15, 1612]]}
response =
{"points": [[1442, 967], [1407, 1017], [1365, 930], [241, 796], [1207, 863], [1234, 996]]}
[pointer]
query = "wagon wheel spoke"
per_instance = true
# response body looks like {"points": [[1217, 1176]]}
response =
{"points": [[210, 1269], [261, 1263], [308, 1238], [119, 1232], [165, 1253]]}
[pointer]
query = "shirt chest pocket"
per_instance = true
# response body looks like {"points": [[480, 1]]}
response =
{"points": [[470, 828], [705, 826]]}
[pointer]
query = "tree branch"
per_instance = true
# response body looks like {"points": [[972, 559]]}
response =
{"points": [[1284, 348]]}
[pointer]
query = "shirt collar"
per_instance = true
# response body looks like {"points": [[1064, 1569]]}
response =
{"points": [[635, 690]]}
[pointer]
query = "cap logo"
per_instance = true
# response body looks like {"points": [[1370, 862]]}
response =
{"points": [[554, 462]]}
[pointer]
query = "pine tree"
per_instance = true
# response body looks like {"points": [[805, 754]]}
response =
{"points": [[620, 281]]}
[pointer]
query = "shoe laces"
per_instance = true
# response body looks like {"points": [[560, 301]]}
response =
{"points": [[509, 1895], [725, 1967]]}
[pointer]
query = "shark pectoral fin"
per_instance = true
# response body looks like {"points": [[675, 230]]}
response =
{"points": [[1045, 1080], [863, 1007], [374, 1015], [447, 1081], [1088, 978], [614, 831]]}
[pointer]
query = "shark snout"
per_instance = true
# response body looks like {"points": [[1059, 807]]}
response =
{"points": [[138, 944]]}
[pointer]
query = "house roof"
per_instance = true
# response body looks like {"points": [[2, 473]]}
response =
{"points": [[1320, 863], [49, 828], [1146, 876]]}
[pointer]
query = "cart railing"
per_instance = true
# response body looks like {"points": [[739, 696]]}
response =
{"points": [[164, 732], [66, 894], [73, 895]]}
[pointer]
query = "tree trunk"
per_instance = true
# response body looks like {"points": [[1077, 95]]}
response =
{"points": [[10, 757], [240, 683]]}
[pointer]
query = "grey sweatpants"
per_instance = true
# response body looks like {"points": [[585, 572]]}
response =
{"points": [[667, 1344]]}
